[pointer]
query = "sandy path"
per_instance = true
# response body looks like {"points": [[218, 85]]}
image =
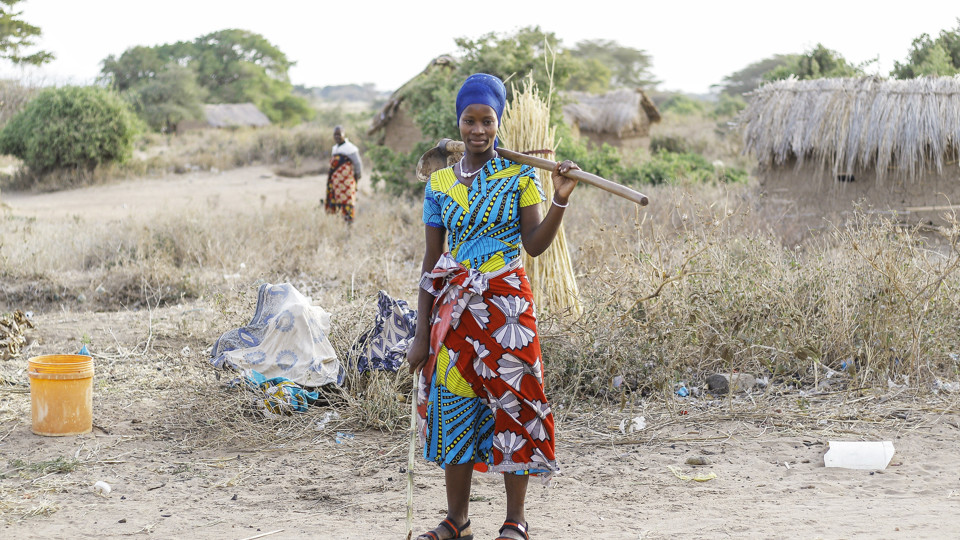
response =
{"points": [[250, 187]]}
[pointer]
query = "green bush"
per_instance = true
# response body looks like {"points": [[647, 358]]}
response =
{"points": [[604, 161], [669, 143], [395, 172], [683, 105], [72, 127], [671, 167], [728, 106]]}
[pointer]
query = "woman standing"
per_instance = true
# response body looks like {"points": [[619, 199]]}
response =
{"points": [[480, 390]]}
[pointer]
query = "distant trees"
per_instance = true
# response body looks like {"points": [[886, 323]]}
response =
{"points": [[929, 56], [229, 66], [817, 63], [627, 67], [17, 35], [169, 98], [939, 56], [750, 77]]}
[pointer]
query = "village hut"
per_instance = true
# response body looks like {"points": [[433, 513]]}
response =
{"points": [[394, 125], [621, 118], [822, 145], [227, 115]]}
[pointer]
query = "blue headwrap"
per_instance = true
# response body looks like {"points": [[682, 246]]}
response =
{"points": [[482, 89]]}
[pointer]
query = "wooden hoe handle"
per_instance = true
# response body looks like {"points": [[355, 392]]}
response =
{"points": [[583, 176]]}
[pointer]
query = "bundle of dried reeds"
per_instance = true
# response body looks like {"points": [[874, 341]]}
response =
{"points": [[526, 127]]}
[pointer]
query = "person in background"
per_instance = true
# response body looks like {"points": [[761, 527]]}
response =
{"points": [[345, 171]]}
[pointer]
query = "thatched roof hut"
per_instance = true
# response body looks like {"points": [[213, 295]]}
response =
{"points": [[621, 118], [227, 115], [235, 115], [393, 126], [826, 143]]}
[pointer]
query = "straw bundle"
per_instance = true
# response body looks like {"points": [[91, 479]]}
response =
{"points": [[907, 126], [526, 127]]}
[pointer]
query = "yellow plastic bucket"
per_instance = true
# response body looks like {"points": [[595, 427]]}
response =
{"points": [[61, 394]]}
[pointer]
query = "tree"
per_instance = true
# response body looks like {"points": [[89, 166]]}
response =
{"points": [[528, 51], [750, 77], [927, 56], [135, 65], [168, 98], [233, 66], [76, 127], [591, 75], [17, 35], [817, 63], [629, 67]]}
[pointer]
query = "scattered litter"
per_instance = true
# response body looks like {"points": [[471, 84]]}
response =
{"points": [[343, 437], [698, 478], [873, 455], [617, 381], [949, 387], [639, 423], [327, 417], [101, 488], [683, 392]]}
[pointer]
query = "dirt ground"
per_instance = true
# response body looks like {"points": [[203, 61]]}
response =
{"points": [[174, 475]]}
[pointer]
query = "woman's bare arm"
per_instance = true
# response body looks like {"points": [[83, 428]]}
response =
{"points": [[537, 234], [435, 239]]}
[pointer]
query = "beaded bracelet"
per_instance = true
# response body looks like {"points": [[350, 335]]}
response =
{"points": [[560, 205]]}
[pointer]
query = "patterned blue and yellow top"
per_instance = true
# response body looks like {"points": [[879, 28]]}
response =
{"points": [[483, 219]]}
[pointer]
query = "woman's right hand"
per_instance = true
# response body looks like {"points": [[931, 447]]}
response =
{"points": [[418, 353]]}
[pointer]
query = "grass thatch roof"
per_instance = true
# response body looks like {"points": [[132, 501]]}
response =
{"points": [[617, 112], [388, 111], [235, 115], [844, 125]]}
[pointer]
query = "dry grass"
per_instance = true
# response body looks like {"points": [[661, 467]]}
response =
{"points": [[672, 293]]}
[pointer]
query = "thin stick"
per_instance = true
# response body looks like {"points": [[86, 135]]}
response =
{"points": [[411, 455], [264, 534]]}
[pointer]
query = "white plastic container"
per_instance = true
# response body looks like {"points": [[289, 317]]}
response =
{"points": [[867, 455]]}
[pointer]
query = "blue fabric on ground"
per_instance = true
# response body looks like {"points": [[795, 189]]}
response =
{"points": [[280, 395], [384, 347]]}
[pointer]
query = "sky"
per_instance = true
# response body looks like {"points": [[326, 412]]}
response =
{"points": [[694, 44]]}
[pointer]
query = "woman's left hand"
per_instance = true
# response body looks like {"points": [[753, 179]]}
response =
{"points": [[563, 185]]}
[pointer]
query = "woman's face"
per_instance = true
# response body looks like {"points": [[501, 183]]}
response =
{"points": [[478, 127]]}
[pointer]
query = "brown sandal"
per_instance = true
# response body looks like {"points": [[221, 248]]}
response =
{"points": [[513, 526], [452, 527]]}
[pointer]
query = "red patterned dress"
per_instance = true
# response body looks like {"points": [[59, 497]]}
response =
{"points": [[480, 395], [341, 188]]}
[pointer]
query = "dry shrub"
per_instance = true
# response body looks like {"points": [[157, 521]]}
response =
{"points": [[14, 96], [691, 288], [672, 292]]}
